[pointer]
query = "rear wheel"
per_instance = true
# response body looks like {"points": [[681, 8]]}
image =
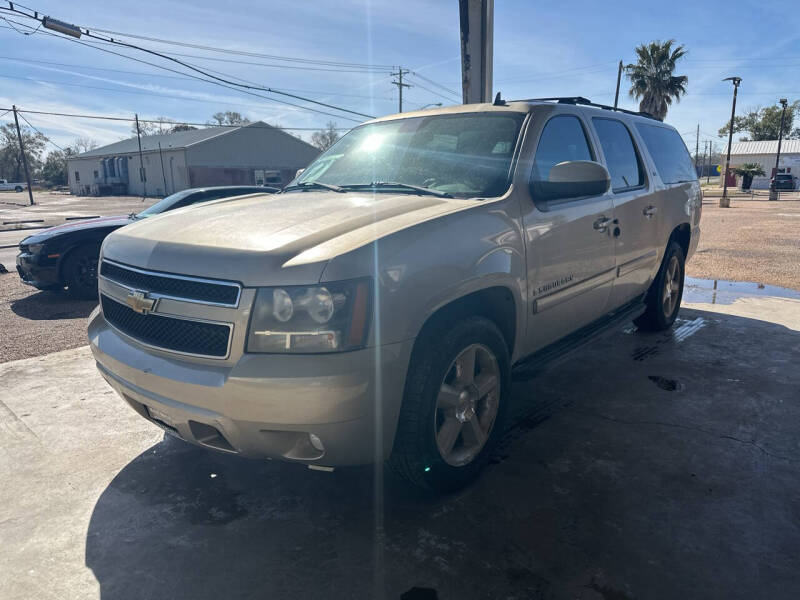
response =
{"points": [[80, 272], [454, 407], [663, 300], [18, 188]]}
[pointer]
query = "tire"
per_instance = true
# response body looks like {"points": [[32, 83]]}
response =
{"points": [[433, 415], [18, 189], [80, 272], [663, 304]]}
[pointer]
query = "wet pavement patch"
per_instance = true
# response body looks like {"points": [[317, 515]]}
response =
{"points": [[669, 385], [720, 291]]}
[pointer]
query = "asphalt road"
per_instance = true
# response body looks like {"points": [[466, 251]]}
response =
{"points": [[12, 238]]}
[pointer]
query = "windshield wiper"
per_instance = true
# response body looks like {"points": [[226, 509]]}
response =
{"points": [[394, 184], [306, 185]]}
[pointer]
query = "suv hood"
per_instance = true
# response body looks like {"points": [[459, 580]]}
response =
{"points": [[269, 239]]}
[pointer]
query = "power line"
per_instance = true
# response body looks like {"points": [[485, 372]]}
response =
{"points": [[40, 133], [246, 53], [87, 33], [161, 122], [189, 75], [149, 74], [434, 92], [436, 84]]}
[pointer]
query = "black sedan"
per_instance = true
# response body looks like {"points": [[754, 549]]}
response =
{"points": [[66, 255]]}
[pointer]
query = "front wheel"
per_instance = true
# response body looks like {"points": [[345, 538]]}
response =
{"points": [[18, 189], [80, 272], [663, 299], [454, 407]]}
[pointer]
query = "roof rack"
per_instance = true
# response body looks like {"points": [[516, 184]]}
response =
{"points": [[586, 102]]}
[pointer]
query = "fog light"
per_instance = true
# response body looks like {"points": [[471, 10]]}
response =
{"points": [[316, 442]]}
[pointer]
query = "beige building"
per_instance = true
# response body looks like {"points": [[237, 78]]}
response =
{"points": [[252, 154]]}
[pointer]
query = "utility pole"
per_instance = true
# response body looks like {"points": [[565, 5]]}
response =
{"points": [[619, 78], [142, 173], [24, 158], [163, 174], [697, 147], [705, 154], [400, 85], [476, 21], [724, 201], [773, 193], [708, 172]]}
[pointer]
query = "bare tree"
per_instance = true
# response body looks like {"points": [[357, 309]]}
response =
{"points": [[83, 144], [228, 118], [157, 126], [325, 138]]}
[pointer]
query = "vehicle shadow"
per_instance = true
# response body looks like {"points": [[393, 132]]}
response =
{"points": [[51, 305], [183, 522]]}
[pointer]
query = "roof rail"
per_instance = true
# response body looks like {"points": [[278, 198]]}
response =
{"points": [[586, 102]]}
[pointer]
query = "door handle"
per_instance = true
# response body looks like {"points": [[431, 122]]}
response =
{"points": [[650, 211], [602, 224]]}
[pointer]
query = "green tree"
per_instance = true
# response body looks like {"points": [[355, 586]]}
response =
{"points": [[765, 123], [747, 171], [652, 77], [325, 138], [11, 166], [54, 169]]}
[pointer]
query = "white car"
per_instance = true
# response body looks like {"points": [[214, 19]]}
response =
{"points": [[7, 186]]}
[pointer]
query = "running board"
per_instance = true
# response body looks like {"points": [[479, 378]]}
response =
{"points": [[557, 352]]}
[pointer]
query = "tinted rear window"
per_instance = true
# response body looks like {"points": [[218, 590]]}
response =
{"points": [[669, 153]]}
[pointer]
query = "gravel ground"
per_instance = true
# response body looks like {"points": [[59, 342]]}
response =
{"points": [[750, 241], [33, 323]]}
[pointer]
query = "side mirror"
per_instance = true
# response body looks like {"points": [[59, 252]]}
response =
{"points": [[572, 179]]}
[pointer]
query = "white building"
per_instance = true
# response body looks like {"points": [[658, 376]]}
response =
{"points": [[252, 154], [764, 153]]}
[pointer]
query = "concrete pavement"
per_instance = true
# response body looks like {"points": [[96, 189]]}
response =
{"points": [[648, 466]]}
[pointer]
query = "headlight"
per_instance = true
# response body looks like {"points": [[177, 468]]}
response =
{"points": [[320, 318], [35, 248]]}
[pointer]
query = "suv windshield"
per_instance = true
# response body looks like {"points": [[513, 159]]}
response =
{"points": [[464, 155]]}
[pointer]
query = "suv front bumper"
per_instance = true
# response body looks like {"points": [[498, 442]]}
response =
{"points": [[264, 405]]}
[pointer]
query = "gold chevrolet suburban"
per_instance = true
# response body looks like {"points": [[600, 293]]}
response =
{"points": [[373, 310]]}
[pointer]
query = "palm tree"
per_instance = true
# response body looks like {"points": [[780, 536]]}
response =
{"points": [[652, 78]]}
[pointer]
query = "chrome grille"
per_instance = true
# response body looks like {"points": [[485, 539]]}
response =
{"points": [[174, 286], [169, 333]]}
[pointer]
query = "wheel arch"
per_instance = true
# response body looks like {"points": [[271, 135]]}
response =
{"points": [[496, 303], [682, 234]]}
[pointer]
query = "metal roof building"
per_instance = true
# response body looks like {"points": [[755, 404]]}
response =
{"points": [[764, 153], [256, 153]]}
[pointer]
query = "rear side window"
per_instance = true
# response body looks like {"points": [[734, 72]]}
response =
{"points": [[668, 152], [563, 139], [622, 159]]}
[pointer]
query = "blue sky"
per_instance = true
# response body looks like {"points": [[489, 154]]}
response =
{"points": [[541, 49]]}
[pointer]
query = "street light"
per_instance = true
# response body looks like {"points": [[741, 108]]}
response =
{"points": [[724, 201], [773, 193]]}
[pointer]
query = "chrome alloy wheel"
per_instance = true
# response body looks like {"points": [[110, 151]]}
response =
{"points": [[672, 286], [467, 404]]}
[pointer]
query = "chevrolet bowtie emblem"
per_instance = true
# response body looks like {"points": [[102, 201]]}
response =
{"points": [[140, 303]]}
